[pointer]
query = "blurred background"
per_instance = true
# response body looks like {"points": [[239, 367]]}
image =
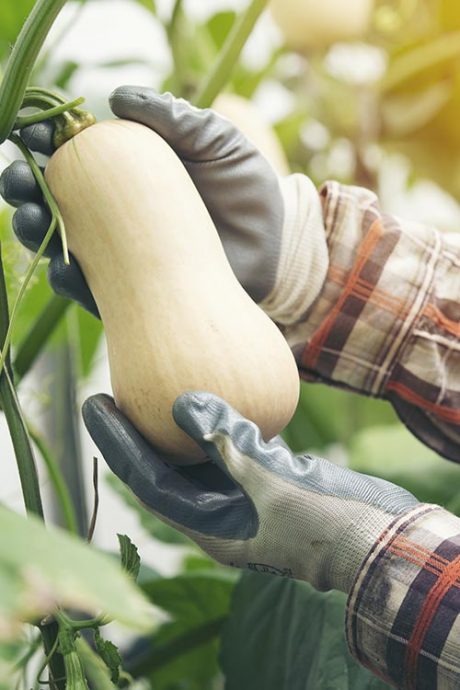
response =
{"points": [[364, 92]]}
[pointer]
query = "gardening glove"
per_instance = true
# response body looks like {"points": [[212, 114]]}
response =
{"points": [[255, 505], [271, 227]]}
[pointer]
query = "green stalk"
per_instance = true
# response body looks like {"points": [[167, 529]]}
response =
{"points": [[33, 343], [56, 218], [57, 481], [18, 430], [27, 120], [229, 54], [26, 466], [95, 669], [22, 59]]}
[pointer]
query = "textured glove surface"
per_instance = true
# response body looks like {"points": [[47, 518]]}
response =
{"points": [[255, 505]]}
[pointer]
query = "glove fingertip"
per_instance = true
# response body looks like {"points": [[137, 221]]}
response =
{"points": [[197, 412], [96, 409], [68, 281], [39, 137], [127, 99]]}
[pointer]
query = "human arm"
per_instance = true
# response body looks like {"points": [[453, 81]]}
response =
{"points": [[387, 320], [256, 506]]}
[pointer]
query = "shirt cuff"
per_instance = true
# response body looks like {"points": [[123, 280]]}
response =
{"points": [[303, 259], [403, 611]]}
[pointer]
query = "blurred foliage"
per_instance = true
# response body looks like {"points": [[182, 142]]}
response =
{"points": [[39, 567], [391, 452], [12, 16], [325, 416], [279, 650], [183, 652]]}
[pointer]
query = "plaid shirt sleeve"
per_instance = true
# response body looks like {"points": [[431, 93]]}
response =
{"points": [[387, 320], [403, 611]]}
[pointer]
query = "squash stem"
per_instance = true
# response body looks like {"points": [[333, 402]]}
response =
{"points": [[26, 120], [22, 59], [229, 54]]}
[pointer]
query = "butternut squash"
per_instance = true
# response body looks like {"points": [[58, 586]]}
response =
{"points": [[174, 314], [311, 25]]}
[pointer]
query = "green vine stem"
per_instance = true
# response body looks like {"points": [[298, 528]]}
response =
{"points": [[18, 430], [57, 481], [55, 220], [30, 347], [60, 109], [229, 54], [22, 59], [26, 464], [95, 669]]}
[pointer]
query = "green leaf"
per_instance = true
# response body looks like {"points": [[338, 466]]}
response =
{"points": [[109, 654], [393, 453], [155, 527], [14, 655], [194, 597], [12, 17], [198, 561], [284, 635], [219, 26], [41, 567], [130, 559], [183, 653]]}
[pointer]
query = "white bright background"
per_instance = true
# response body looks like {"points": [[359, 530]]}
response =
{"points": [[113, 30]]}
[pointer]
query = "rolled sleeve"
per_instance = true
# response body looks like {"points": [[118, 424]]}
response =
{"points": [[387, 320], [403, 611]]}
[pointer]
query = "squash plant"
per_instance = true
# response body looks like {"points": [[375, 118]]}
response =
{"points": [[222, 629]]}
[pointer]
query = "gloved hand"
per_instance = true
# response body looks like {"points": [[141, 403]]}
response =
{"points": [[255, 505], [271, 228]]}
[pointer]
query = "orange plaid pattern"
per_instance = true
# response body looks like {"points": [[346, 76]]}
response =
{"points": [[403, 612], [387, 320]]}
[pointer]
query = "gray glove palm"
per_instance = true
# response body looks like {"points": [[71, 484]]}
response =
{"points": [[237, 184], [254, 505]]}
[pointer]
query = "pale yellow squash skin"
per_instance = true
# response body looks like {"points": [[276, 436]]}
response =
{"points": [[175, 316], [311, 25]]}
